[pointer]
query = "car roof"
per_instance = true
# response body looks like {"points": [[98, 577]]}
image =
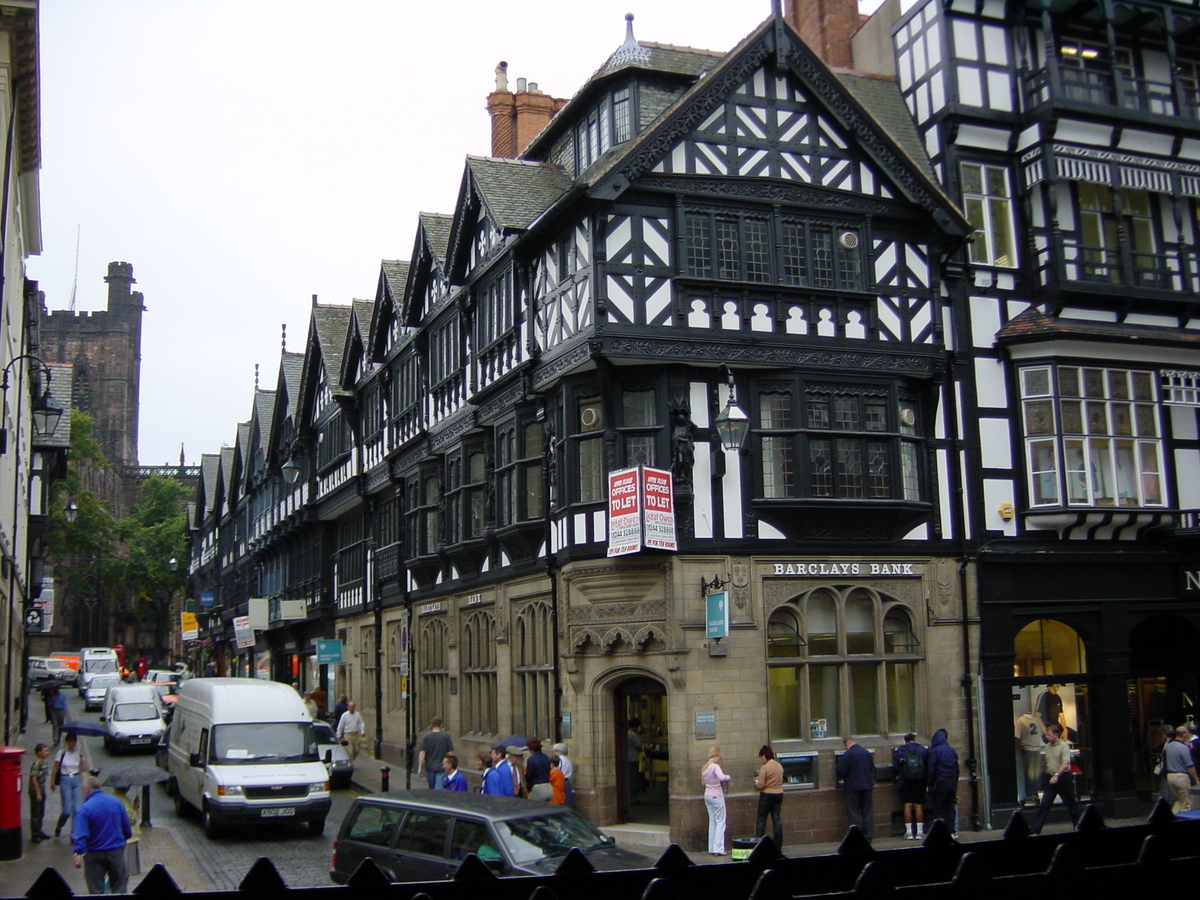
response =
{"points": [[458, 802]]}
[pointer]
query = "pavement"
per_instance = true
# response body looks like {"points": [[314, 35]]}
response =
{"points": [[159, 844]]}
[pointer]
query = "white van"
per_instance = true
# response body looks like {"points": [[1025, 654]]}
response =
{"points": [[243, 751], [95, 661]]}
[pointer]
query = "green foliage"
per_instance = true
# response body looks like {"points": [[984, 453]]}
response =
{"points": [[83, 549], [153, 535]]}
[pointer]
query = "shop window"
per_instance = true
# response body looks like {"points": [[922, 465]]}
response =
{"points": [[826, 673], [1092, 437], [1048, 647]]}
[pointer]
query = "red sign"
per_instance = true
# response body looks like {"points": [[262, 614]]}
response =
{"points": [[659, 500], [624, 513]]}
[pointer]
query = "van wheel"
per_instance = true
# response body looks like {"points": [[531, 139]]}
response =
{"points": [[211, 829], [182, 807], [316, 827]]}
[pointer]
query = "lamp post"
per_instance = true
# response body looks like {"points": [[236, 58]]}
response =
{"points": [[732, 423], [45, 416]]}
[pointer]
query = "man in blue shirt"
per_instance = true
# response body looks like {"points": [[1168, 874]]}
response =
{"points": [[56, 705], [98, 837], [498, 780], [857, 771]]}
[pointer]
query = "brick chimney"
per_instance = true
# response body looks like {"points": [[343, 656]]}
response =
{"points": [[826, 26], [517, 118]]}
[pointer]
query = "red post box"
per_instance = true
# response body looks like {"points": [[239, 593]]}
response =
{"points": [[10, 802]]}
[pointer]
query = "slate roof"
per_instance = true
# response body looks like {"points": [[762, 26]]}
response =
{"points": [[264, 406], [882, 99], [62, 381], [210, 466], [363, 310], [517, 192], [395, 273], [437, 235], [292, 365], [1036, 324], [330, 324]]}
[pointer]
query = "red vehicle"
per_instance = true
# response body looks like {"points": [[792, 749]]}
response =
{"points": [[120, 649]]}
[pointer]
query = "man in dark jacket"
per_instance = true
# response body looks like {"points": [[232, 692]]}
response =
{"points": [[857, 771], [941, 776], [911, 763]]}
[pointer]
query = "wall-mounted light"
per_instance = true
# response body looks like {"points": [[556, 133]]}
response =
{"points": [[70, 512], [291, 470], [732, 423]]}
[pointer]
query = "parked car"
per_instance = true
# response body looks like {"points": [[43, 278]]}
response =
{"points": [[132, 721], [167, 695], [71, 661], [60, 669], [335, 756], [97, 689], [426, 835], [38, 669], [164, 676]]}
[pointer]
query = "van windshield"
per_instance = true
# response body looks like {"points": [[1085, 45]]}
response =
{"points": [[99, 665], [253, 742], [550, 834]]}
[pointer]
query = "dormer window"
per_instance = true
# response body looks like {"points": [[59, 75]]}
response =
{"points": [[607, 124]]}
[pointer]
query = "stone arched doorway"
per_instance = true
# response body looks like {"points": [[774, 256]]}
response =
{"points": [[643, 744]]}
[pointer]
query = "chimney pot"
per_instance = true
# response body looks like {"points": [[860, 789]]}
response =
{"points": [[520, 85], [533, 88]]}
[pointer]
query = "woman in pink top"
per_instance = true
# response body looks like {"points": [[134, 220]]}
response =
{"points": [[714, 800]]}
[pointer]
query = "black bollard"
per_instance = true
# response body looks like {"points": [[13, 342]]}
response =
{"points": [[146, 823], [384, 777]]}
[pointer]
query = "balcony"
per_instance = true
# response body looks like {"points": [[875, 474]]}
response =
{"points": [[1101, 87]]}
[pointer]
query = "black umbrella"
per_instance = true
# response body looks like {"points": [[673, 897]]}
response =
{"points": [[49, 684], [84, 729], [135, 776], [515, 741]]}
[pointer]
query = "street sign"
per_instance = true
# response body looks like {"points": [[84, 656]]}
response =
{"points": [[716, 616], [33, 620], [329, 653]]}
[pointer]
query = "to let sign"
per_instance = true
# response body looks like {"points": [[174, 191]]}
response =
{"points": [[659, 500], [624, 513]]}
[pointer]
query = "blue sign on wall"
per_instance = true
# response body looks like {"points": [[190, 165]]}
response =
{"points": [[206, 598], [329, 652], [716, 615]]}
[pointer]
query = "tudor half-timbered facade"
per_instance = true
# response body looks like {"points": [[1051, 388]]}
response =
{"points": [[691, 232], [1069, 133]]}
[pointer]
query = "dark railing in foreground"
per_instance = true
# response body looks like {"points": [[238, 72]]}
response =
{"points": [[1162, 855]]}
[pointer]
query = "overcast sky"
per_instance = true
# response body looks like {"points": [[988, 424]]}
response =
{"points": [[244, 155]]}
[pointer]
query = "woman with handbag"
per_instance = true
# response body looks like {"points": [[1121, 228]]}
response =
{"points": [[714, 781], [69, 767]]}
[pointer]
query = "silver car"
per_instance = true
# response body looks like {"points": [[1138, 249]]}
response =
{"points": [[134, 725], [97, 690], [335, 756]]}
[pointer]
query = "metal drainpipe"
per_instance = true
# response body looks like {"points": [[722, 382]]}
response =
{"points": [[552, 570], [960, 526]]}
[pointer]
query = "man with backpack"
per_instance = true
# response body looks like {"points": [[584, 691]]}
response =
{"points": [[909, 762]]}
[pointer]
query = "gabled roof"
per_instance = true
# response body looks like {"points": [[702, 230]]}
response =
{"points": [[329, 324], [845, 101], [512, 193], [264, 405], [429, 254], [361, 313], [683, 63], [210, 467], [437, 228], [389, 295], [286, 394]]}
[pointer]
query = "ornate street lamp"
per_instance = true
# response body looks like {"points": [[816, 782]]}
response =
{"points": [[732, 423]]}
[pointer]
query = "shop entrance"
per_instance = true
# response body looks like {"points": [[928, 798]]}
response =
{"points": [[643, 750], [1162, 690]]}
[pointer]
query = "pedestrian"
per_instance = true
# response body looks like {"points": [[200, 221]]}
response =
{"points": [[714, 781], [98, 837], [568, 771], [350, 728], [909, 763], [857, 771], [311, 705], [483, 762], [1057, 780], [339, 708], [434, 746], [57, 704], [769, 782], [633, 759], [537, 772], [558, 784], [39, 772], [210, 671], [318, 697], [133, 859], [1180, 770], [453, 779], [69, 766], [941, 778], [498, 781], [516, 767]]}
